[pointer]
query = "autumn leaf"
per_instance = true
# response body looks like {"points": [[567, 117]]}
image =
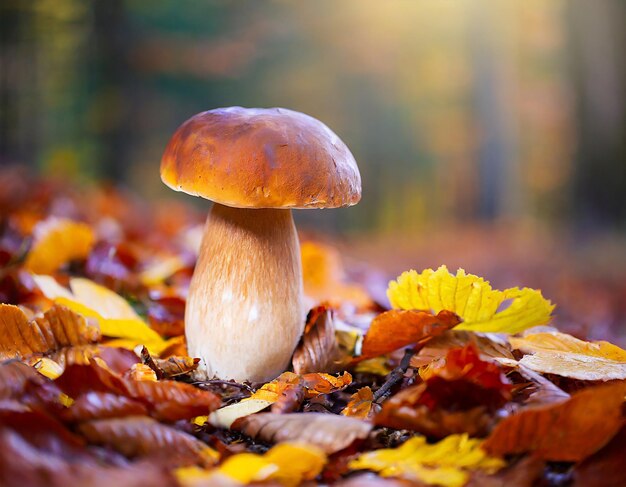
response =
{"points": [[224, 417], [102, 405], [142, 372], [447, 463], [56, 242], [472, 298], [173, 366], [567, 431], [562, 354], [137, 436], [329, 432], [360, 404], [15, 377], [59, 327], [315, 384], [113, 313], [397, 328], [458, 395], [317, 350]]}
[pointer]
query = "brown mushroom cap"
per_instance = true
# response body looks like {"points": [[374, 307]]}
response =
{"points": [[261, 158]]}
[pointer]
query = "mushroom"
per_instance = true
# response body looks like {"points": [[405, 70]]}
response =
{"points": [[244, 313]]}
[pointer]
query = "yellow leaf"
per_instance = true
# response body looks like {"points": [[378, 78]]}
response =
{"points": [[376, 365], [56, 242], [226, 416], [472, 298], [567, 356], [200, 420], [446, 463], [360, 404], [48, 368], [115, 316], [288, 463]]}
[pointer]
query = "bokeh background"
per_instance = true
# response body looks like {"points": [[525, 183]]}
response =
{"points": [[490, 135]]}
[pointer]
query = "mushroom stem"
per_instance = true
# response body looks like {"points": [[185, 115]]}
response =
{"points": [[244, 312]]}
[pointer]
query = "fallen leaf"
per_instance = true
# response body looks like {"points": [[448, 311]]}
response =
{"points": [[317, 350], [142, 372], [360, 404], [56, 242], [604, 468], [15, 377], [315, 384], [173, 366], [329, 432], [102, 405], [447, 463], [397, 328], [459, 394], [224, 417], [48, 368], [568, 431], [562, 354], [472, 298], [287, 464], [59, 327], [137, 436]]}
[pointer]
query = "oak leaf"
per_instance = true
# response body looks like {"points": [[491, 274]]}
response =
{"points": [[397, 328], [447, 463], [472, 298], [567, 431], [59, 327], [329, 432], [56, 242]]}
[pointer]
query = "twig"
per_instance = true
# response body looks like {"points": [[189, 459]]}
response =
{"points": [[395, 375], [225, 383]]}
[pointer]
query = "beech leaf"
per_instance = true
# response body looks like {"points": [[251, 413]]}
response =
{"points": [[567, 431], [329, 432], [447, 463], [472, 298]]}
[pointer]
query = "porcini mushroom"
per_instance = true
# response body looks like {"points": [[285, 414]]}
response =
{"points": [[244, 313]]}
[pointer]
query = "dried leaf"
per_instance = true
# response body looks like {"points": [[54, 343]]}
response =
{"points": [[48, 368], [457, 396], [224, 417], [605, 468], [317, 349], [102, 405], [329, 432], [315, 384], [59, 327], [15, 378], [137, 436], [142, 372], [567, 431], [562, 354], [397, 328], [472, 298], [360, 404], [173, 366], [56, 242], [447, 463]]}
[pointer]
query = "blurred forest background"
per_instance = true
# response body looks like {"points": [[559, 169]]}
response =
{"points": [[489, 134]]}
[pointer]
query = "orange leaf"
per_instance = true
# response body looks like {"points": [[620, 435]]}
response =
{"points": [[397, 328], [360, 404], [568, 431]]}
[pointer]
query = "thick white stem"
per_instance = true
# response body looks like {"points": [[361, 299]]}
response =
{"points": [[244, 312]]}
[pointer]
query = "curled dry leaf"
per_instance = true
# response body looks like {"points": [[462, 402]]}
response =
{"points": [[394, 329], [317, 349], [457, 396], [472, 298], [142, 372], [562, 354], [314, 383], [56, 242], [447, 463], [329, 432], [173, 366], [360, 404], [102, 405], [59, 327], [138, 436], [567, 431]]}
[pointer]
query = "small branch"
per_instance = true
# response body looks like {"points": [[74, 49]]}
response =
{"points": [[225, 383], [395, 375]]}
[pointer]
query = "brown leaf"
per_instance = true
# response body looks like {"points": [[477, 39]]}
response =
{"points": [[568, 431], [317, 350], [102, 405], [79, 379], [171, 400], [14, 378], [360, 404], [59, 327], [173, 366], [457, 396], [138, 436], [604, 468], [397, 328], [329, 432]]}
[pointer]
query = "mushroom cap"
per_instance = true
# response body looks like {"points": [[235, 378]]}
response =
{"points": [[261, 158]]}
